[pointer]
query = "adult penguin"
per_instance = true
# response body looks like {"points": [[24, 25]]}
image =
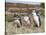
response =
{"points": [[36, 18], [37, 12]]}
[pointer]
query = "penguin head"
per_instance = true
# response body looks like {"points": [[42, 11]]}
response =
{"points": [[33, 11]]}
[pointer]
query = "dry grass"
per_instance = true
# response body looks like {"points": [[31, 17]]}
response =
{"points": [[10, 29]]}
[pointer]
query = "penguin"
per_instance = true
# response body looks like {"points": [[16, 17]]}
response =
{"points": [[36, 18], [37, 12]]}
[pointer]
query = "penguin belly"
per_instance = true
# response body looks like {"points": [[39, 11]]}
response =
{"points": [[36, 19]]}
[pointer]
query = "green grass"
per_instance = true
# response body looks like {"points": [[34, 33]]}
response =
{"points": [[8, 18]]}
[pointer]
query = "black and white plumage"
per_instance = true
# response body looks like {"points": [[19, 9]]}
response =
{"points": [[37, 12], [36, 18], [17, 22], [26, 19]]}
